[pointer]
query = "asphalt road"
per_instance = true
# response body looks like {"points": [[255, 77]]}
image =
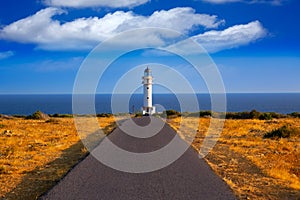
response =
{"points": [[187, 178]]}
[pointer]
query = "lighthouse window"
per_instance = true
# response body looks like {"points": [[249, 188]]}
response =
{"points": [[147, 97], [147, 88]]}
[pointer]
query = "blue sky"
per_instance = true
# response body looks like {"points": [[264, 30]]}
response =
{"points": [[254, 43]]}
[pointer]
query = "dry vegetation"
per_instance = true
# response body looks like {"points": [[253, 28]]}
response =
{"points": [[255, 167], [35, 154]]}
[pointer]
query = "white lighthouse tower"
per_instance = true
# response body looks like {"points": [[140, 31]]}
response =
{"points": [[148, 109]]}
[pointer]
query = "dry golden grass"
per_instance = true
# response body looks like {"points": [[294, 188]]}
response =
{"points": [[35, 154], [255, 168]]}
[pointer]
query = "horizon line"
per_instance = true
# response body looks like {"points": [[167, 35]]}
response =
{"points": [[293, 92]]}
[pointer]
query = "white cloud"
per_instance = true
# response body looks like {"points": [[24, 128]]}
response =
{"points": [[85, 33], [95, 3], [231, 37], [6, 54], [272, 2]]}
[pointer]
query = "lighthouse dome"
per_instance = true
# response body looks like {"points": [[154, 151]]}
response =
{"points": [[147, 72]]}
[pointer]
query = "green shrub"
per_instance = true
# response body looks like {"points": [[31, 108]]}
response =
{"points": [[285, 131], [231, 115], [254, 115], [198, 114], [238, 115], [277, 115], [62, 115], [172, 113], [265, 116], [2, 125], [139, 114], [205, 113], [104, 115], [294, 114], [20, 116], [54, 121]]}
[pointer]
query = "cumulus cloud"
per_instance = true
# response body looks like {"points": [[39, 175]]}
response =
{"points": [[95, 3], [6, 54], [231, 37], [273, 2], [85, 33]]}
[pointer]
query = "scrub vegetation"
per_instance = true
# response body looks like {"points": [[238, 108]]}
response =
{"points": [[258, 159], [36, 153]]}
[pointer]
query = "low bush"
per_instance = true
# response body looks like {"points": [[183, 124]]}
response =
{"points": [[207, 113], [139, 114], [294, 114], [239, 115], [172, 113], [265, 116], [19, 116], [104, 115], [62, 115], [54, 121], [285, 131], [254, 115]]}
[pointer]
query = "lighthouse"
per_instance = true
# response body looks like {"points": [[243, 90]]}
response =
{"points": [[148, 109]]}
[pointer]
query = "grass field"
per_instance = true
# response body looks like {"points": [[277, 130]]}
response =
{"points": [[254, 167], [35, 154]]}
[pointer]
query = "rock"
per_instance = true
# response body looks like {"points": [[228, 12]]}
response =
{"points": [[39, 115], [5, 116]]}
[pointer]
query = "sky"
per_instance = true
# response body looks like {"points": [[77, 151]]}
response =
{"points": [[255, 44]]}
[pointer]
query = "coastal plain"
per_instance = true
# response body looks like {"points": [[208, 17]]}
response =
{"points": [[36, 154], [254, 166]]}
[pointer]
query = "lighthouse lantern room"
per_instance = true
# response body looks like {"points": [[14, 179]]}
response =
{"points": [[148, 109]]}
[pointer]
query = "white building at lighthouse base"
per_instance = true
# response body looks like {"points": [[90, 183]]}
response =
{"points": [[148, 110]]}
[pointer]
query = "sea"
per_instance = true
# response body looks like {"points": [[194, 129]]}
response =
{"points": [[235, 102]]}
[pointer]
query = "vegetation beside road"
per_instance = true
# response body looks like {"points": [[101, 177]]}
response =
{"points": [[36, 153], [259, 159], [254, 114]]}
